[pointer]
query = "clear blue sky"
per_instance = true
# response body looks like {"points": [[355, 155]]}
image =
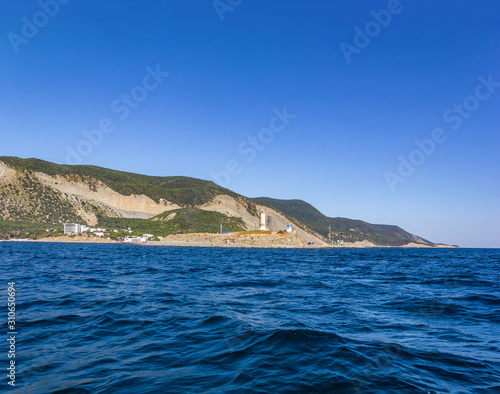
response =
{"points": [[357, 108]]}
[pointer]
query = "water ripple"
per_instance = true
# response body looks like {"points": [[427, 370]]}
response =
{"points": [[120, 318]]}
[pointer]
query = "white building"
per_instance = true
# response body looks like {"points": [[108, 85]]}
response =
{"points": [[135, 239], [72, 228]]}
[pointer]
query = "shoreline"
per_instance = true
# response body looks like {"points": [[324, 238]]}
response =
{"points": [[225, 241]]}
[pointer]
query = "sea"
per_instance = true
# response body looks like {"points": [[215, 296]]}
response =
{"points": [[108, 318]]}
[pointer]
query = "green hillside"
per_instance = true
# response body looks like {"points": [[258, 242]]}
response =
{"points": [[347, 229], [185, 220], [10, 229], [183, 191]]}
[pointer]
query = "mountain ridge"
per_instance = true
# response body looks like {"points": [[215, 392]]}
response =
{"points": [[343, 228], [34, 190]]}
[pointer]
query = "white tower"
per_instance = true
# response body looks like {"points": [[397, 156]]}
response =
{"points": [[262, 220]]}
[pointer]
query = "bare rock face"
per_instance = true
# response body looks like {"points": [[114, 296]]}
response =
{"points": [[275, 220], [169, 217], [6, 173], [41, 197], [127, 206], [227, 205], [3, 168]]}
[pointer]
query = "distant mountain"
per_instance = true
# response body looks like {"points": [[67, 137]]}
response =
{"points": [[347, 229], [35, 194]]}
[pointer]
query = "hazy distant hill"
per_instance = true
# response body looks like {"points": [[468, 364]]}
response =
{"points": [[342, 228], [36, 191]]}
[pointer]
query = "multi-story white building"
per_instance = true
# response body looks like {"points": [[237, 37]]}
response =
{"points": [[72, 228]]}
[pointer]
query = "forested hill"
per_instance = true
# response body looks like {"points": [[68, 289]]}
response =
{"points": [[342, 228]]}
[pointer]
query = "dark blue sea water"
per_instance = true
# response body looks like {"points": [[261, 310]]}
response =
{"points": [[132, 319]]}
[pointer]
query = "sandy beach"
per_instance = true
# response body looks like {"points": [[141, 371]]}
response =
{"points": [[233, 240]]}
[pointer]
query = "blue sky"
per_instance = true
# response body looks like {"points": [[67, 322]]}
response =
{"points": [[410, 67]]}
